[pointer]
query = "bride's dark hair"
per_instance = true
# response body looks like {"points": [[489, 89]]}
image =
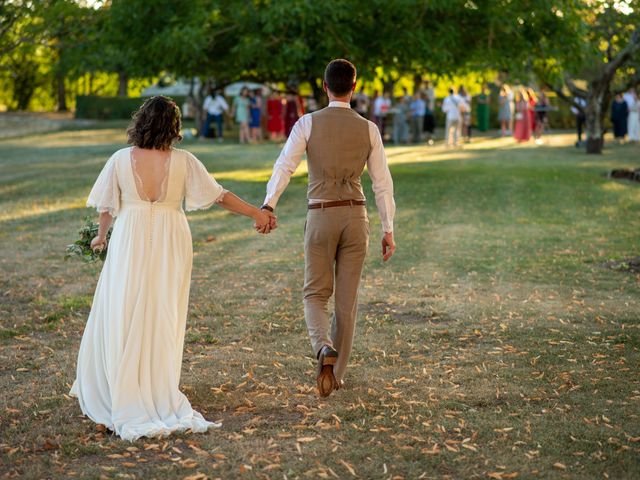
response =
{"points": [[156, 124]]}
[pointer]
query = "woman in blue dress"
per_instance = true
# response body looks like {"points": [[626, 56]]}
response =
{"points": [[255, 110]]}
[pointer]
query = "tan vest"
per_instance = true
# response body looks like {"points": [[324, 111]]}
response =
{"points": [[337, 153]]}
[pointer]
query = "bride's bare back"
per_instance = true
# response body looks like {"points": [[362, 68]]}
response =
{"points": [[151, 172]]}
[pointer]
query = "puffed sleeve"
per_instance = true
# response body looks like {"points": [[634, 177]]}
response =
{"points": [[105, 194], [201, 190]]}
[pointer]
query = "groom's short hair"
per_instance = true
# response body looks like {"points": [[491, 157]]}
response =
{"points": [[340, 75]]}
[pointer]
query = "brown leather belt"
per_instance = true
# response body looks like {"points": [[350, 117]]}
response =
{"points": [[337, 203]]}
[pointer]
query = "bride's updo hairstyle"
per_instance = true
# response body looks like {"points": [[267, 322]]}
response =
{"points": [[156, 124]]}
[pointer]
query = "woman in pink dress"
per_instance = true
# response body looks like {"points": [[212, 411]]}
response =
{"points": [[275, 112], [522, 130], [532, 100]]}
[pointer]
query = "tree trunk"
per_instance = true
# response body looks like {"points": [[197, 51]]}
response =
{"points": [[123, 84], [24, 82], [417, 82], [61, 93], [387, 86], [597, 106], [318, 92]]}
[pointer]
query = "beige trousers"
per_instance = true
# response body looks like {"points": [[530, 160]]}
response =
{"points": [[335, 246]]}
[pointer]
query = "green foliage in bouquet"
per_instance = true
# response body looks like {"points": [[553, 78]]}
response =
{"points": [[82, 246]]}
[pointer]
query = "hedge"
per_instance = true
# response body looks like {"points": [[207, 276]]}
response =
{"points": [[111, 108]]}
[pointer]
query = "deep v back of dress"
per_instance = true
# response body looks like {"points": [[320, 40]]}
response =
{"points": [[151, 170]]}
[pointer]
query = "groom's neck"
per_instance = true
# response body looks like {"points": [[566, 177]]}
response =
{"points": [[335, 98]]}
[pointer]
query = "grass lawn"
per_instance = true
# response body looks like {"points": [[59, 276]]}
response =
{"points": [[495, 344]]}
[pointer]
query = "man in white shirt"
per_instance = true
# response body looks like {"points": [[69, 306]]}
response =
{"points": [[451, 109], [339, 144], [381, 106], [580, 117], [214, 106]]}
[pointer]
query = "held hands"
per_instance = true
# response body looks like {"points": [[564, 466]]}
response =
{"points": [[388, 246], [265, 221]]}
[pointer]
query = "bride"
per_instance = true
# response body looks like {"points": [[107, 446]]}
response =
{"points": [[131, 352]]}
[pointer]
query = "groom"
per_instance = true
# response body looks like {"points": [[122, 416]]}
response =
{"points": [[339, 143]]}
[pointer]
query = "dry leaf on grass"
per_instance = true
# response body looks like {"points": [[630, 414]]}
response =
{"points": [[348, 467]]}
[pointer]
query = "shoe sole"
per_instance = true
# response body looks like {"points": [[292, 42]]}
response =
{"points": [[326, 379]]}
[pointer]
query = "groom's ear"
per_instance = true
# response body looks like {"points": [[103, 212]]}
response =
{"points": [[325, 88], [353, 87]]}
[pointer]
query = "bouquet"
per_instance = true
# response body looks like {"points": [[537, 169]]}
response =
{"points": [[82, 246]]}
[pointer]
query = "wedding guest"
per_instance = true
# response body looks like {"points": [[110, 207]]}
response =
{"points": [[451, 109], [619, 117], [400, 113], [214, 106], [522, 130], [417, 108], [633, 119], [312, 104], [531, 101], [429, 125], [429, 95], [362, 103], [504, 110], [511, 95], [541, 111], [293, 111], [405, 94], [482, 109], [381, 107], [128, 369], [275, 111], [263, 114], [465, 109], [577, 109], [240, 111], [255, 112], [628, 96]]}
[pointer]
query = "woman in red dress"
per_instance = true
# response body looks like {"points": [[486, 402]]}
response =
{"points": [[522, 130], [275, 111]]}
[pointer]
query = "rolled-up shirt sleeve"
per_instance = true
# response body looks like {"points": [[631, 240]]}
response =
{"points": [[289, 160], [381, 180]]}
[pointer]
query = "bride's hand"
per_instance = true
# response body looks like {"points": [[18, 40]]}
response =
{"points": [[98, 244], [265, 221]]}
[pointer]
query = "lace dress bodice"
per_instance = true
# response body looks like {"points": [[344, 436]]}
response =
{"points": [[177, 179]]}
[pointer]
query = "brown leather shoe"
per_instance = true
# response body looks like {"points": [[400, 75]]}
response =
{"points": [[327, 358]]}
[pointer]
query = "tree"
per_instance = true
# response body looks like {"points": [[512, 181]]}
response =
{"points": [[610, 35]]}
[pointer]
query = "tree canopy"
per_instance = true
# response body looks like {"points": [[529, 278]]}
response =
{"points": [[55, 42]]}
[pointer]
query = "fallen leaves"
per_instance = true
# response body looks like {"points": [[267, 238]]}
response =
{"points": [[349, 467]]}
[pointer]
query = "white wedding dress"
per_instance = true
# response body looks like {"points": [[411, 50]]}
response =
{"points": [[633, 120], [131, 352]]}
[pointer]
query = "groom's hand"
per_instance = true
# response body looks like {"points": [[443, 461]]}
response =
{"points": [[388, 246], [267, 222]]}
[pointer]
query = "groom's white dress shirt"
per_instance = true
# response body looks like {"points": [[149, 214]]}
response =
{"points": [[295, 147]]}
